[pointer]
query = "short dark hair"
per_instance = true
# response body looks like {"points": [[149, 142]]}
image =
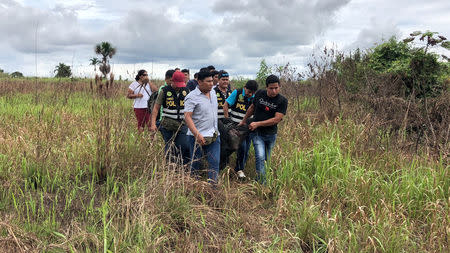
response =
{"points": [[211, 67], [177, 68], [204, 74], [223, 73], [139, 74], [272, 79], [169, 73], [251, 85], [204, 69], [185, 71], [215, 72], [196, 75]]}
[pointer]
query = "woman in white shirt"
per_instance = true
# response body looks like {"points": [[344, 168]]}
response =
{"points": [[140, 91]]}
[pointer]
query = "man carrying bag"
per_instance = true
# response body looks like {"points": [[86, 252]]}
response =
{"points": [[173, 130]]}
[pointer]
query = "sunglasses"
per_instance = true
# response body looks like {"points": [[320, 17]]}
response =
{"points": [[144, 75]]}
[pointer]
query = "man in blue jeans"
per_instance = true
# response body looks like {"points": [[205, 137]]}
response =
{"points": [[173, 130], [268, 109], [200, 113], [238, 103]]}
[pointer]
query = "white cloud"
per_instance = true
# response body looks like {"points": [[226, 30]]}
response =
{"points": [[377, 32], [146, 35], [234, 35], [362, 23], [269, 27], [31, 30]]}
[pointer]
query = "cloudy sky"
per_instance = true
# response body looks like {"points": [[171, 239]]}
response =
{"points": [[230, 34]]}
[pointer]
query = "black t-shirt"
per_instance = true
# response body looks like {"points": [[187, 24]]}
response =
{"points": [[266, 107]]}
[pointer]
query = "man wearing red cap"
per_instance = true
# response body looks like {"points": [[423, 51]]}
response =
{"points": [[173, 128]]}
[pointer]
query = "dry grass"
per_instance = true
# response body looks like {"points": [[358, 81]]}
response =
{"points": [[335, 184]]}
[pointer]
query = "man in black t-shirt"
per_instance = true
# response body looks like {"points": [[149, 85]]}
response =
{"points": [[268, 109]]}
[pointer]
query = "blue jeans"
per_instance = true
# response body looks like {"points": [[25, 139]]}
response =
{"points": [[242, 153], [177, 145], [212, 153], [263, 145]]}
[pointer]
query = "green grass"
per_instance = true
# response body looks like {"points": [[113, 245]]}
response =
{"points": [[326, 191]]}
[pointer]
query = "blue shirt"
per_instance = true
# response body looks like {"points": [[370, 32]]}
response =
{"points": [[204, 111], [232, 98]]}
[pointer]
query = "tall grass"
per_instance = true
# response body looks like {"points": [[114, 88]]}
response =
{"points": [[330, 187]]}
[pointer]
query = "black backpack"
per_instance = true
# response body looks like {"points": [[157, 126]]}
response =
{"points": [[151, 101]]}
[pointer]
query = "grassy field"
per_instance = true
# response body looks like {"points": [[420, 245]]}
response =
{"points": [[333, 186]]}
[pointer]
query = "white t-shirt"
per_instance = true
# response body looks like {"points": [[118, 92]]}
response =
{"points": [[138, 88]]}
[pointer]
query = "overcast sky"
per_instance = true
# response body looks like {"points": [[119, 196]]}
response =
{"points": [[234, 35]]}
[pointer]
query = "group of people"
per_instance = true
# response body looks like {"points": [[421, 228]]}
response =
{"points": [[194, 116]]}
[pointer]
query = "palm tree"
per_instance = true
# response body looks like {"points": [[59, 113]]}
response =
{"points": [[62, 70], [107, 51], [94, 62]]}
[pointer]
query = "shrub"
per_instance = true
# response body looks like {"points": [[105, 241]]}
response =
{"points": [[238, 82], [16, 74], [426, 74], [420, 71], [263, 72], [391, 56], [352, 70]]}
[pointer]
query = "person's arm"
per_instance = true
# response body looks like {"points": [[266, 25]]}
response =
{"points": [[156, 108], [131, 94], [154, 115], [153, 87], [225, 110], [269, 122], [190, 124], [279, 114], [230, 101], [249, 113]]}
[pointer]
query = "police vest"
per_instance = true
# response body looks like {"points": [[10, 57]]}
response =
{"points": [[173, 102], [239, 108], [221, 101]]}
